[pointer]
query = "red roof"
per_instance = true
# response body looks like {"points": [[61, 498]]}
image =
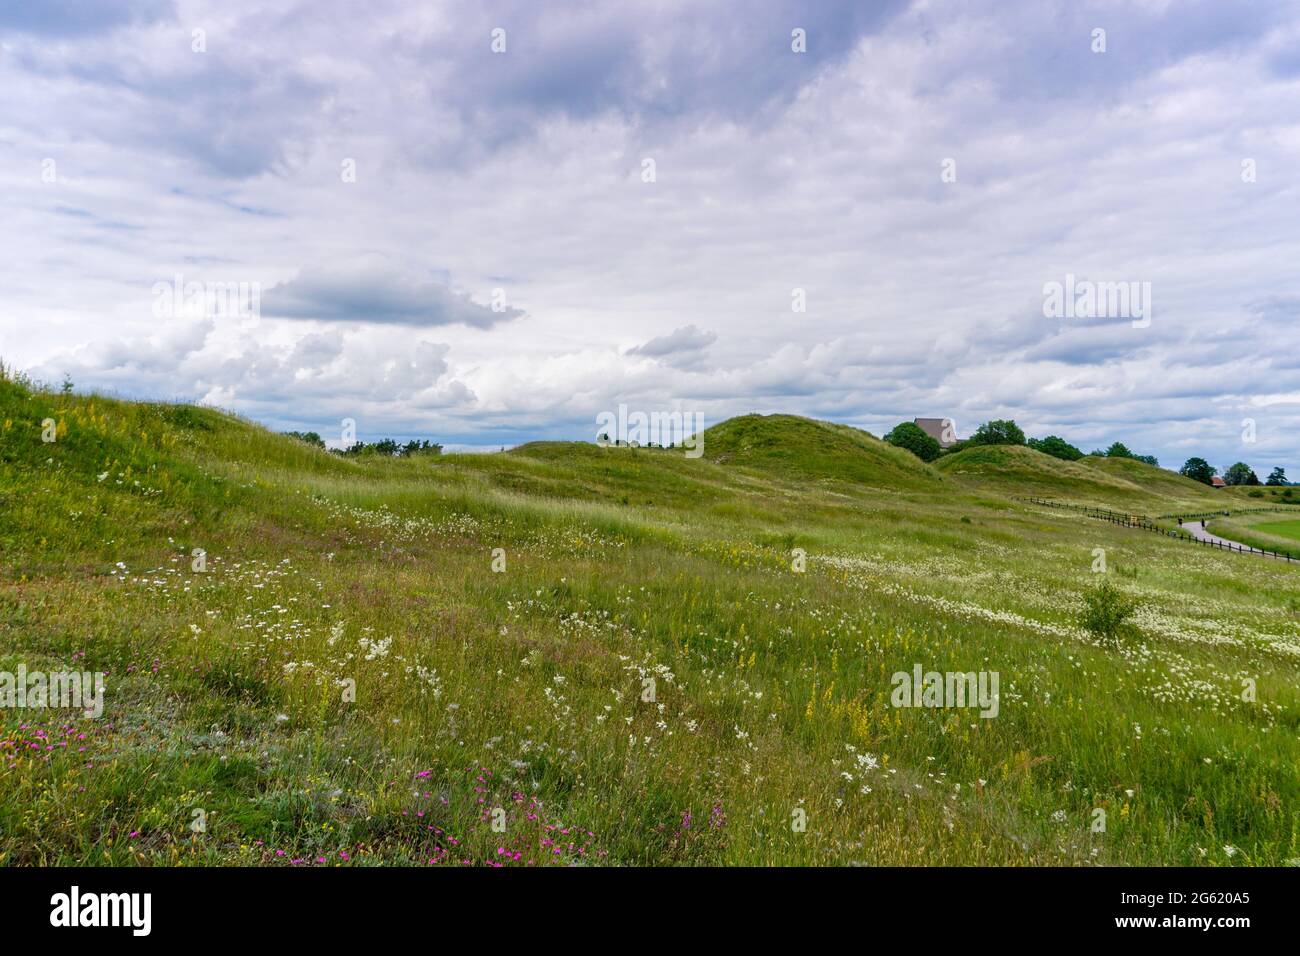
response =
{"points": [[1217, 482]]}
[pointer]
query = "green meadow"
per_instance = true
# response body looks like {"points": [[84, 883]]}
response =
{"points": [[568, 654], [1264, 529], [1284, 529]]}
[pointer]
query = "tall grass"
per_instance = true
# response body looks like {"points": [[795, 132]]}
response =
{"points": [[572, 655]]}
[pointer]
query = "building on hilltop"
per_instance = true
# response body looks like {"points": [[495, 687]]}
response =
{"points": [[942, 430]]}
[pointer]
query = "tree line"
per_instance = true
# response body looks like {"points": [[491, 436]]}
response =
{"points": [[385, 446], [1003, 431]]}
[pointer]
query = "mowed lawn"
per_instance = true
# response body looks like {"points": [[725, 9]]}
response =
{"points": [[573, 655], [1260, 529], [1284, 529]]}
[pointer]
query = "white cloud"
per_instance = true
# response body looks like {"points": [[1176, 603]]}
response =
{"points": [[522, 173]]}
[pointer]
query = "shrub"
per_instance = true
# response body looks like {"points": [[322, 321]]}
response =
{"points": [[1105, 610], [1198, 469], [311, 438], [1120, 450], [1000, 431], [1057, 447], [910, 436], [1239, 474]]}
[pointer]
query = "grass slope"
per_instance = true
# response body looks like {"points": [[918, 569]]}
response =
{"points": [[612, 652], [1021, 470], [1154, 480], [802, 448], [1103, 482]]}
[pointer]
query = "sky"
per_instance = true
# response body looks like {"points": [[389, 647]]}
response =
{"points": [[489, 223]]}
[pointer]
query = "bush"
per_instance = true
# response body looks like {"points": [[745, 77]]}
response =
{"points": [[1000, 431], [311, 438], [1239, 474], [1120, 450], [910, 436], [1105, 610], [1057, 447], [1198, 469]]}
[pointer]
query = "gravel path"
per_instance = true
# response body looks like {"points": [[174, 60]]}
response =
{"points": [[1197, 530]]}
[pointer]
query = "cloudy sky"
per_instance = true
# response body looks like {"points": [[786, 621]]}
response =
{"points": [[485, 223]]}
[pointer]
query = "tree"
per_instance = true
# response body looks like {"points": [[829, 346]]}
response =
{"points": [[910, 436], [1105, 610], [1000, 431], [1121, 450], [1277, 477], [311, 438], [1057, 447], [1238, 474], [1198, 469]]}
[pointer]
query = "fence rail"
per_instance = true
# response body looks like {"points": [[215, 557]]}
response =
{"points": [[1224, 512], [1146, 524]]}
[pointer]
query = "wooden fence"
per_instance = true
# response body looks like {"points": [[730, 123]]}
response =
{"points": [[1146, 524]]}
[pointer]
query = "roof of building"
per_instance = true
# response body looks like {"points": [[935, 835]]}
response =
{"points": [[936, 429], [1218, 482]]}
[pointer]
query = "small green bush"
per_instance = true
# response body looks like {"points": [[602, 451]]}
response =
{"points": [[1105, 610]]}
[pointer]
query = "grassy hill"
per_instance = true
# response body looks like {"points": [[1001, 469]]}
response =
{"points": [[625, 655], [1018, 469], [1153, 480], [1103, 482], [804, 449]]}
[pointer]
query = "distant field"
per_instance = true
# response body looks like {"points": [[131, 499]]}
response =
{"points": [[1269, 531], [568, 654], [1285, 529]]}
